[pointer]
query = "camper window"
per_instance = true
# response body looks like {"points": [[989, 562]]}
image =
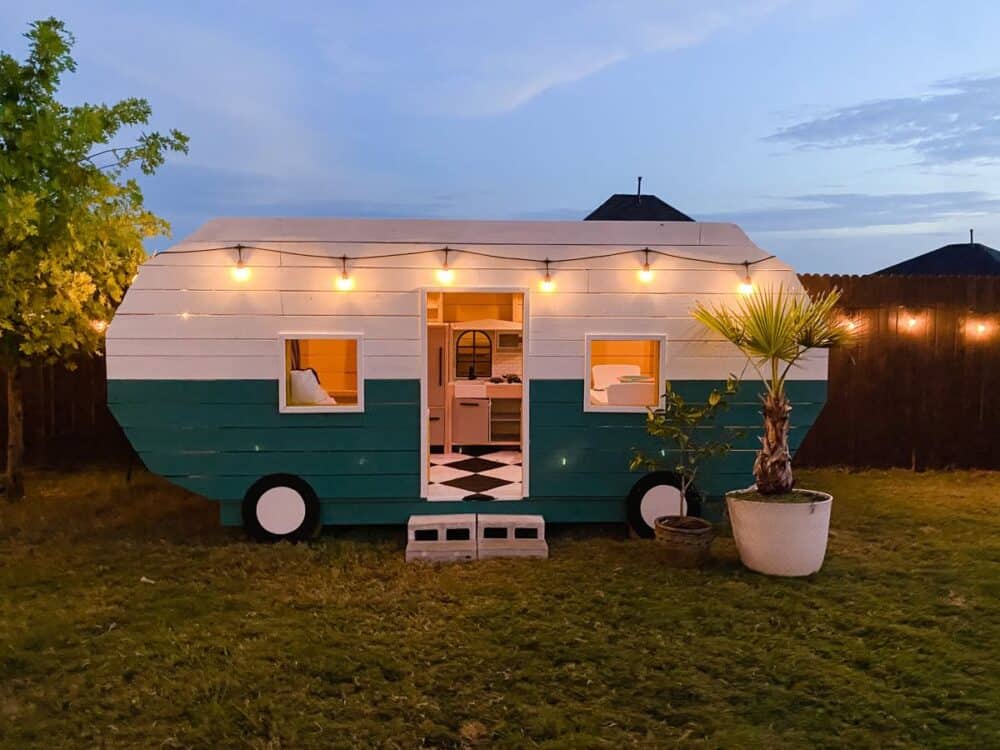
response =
{"points": [[624, 373], [321, 373]]}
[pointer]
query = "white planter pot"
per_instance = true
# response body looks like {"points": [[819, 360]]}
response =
{"points": [[781, 539]]}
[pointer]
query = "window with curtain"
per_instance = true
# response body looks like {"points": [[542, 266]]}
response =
{"points": [[322, 374]]}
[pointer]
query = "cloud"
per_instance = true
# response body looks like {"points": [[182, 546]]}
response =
{"points": [[475, 60], [190, 194], [957, 121], [853, 213]]}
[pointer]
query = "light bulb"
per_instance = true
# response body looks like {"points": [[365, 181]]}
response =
{"points": [[646, 274], [981, 328], [344, 282], [445, 275], [912, 322], [746, 286], [547, 284], [99, 325], [241, 272]]}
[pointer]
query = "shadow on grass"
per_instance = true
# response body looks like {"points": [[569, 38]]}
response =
{"points": [[108, 503], [105, 504]]}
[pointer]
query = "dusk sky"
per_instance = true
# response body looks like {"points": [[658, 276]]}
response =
{"points": [[843, 136]]}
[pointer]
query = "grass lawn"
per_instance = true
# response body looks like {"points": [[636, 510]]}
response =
{"points": [[129, 618]]}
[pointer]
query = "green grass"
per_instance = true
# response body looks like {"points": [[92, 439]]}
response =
{"points": [[129, 618]]}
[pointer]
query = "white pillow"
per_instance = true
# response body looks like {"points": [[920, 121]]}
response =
{"points": [[306, 390], [604, 375]]}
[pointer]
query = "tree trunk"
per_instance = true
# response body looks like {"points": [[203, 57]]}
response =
{"points": [[14, 479], [773, 467]]}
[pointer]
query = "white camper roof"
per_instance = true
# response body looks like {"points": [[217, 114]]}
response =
{"points": [[534, 239]]}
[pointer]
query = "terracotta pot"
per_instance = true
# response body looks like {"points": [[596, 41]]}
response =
{"points": [[781, 539], [685, 541]]}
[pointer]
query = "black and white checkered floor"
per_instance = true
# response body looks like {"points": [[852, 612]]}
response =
{"points": [[477, 473]]}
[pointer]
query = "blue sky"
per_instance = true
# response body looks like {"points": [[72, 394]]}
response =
{"points": [[842, 135]]}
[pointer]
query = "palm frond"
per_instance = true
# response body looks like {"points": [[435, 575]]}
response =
{"points": [[776, 326]]}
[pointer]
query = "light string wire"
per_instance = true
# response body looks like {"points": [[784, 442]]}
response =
{"points": [[239, 247]]}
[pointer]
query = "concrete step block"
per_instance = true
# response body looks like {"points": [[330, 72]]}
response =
{"points": [[511, 535], [441, 538]]}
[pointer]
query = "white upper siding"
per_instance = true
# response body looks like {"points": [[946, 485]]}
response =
{"points": [[186, 317]]}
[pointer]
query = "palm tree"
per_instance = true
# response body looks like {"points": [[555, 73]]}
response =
{"points": [[774, 329]]}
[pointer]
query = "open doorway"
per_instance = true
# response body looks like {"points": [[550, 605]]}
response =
{"points": [[475, 396]]}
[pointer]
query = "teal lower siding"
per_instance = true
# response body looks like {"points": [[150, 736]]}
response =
{"points": [[216, 438], [586, 454]]}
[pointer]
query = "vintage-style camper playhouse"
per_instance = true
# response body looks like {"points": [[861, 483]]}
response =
{"points": [[309, 371]]}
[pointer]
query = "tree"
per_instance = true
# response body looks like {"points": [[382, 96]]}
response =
{"points": [[774, 329], [689, 432], [71, 224]]}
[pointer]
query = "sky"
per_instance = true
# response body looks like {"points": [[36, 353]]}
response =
{"points": [[842, 135]]}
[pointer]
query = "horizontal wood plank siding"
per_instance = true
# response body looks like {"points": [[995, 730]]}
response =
{"points": [[217, 438], [586, 454], [187, 317]]}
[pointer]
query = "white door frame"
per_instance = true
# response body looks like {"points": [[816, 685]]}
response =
{"points": [[425, 448]]}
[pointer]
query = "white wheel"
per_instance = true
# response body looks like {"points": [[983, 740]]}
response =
{"points": [[281, 506], [655, 495], [281, 510], [661, 500]]}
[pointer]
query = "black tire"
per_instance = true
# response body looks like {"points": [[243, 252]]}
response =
{"points": [[634, 500], [289, 511]]}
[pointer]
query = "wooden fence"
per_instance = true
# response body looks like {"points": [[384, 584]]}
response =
{"points": [[66, 417], [920, 388]]}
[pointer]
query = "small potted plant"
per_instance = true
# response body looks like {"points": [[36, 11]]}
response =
{"points": [[686, 540], [779, 529]]}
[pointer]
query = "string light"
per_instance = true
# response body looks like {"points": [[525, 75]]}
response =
{"points": [[978, 328], [908, 322], [99, 325], [445, 275], [480, 253], [241, 273], [645, 275], [344, 282], [547, 284], [746, 286]]}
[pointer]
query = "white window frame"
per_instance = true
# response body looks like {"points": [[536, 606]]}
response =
{"points": [[285, 408], [617, 408]]}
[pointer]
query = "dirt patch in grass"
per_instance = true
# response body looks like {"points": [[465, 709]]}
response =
{"points": [[129, 618], [795, 496]]}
